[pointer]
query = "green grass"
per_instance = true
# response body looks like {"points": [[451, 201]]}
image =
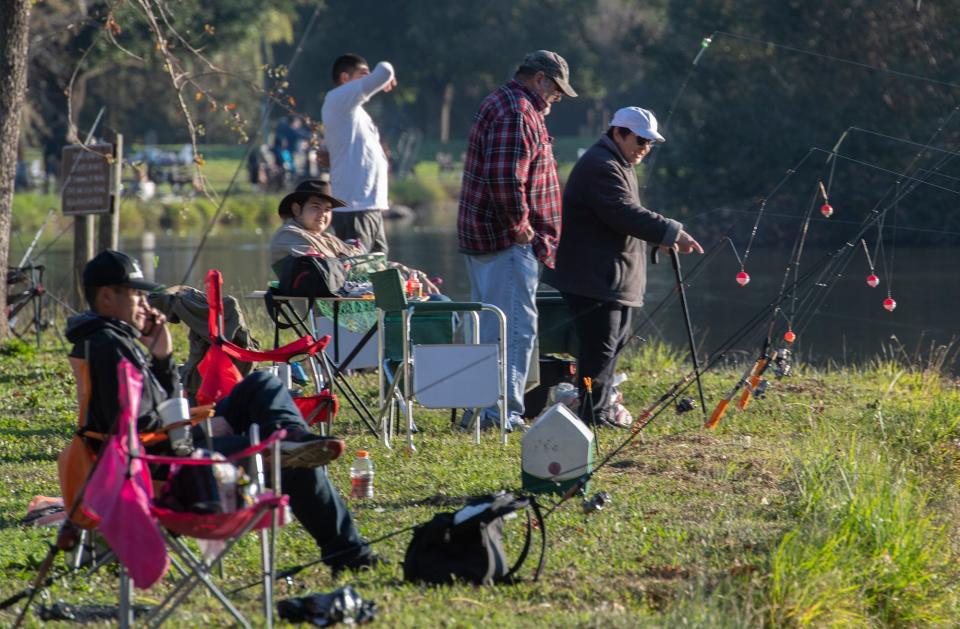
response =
{"points": [[832, 502]]}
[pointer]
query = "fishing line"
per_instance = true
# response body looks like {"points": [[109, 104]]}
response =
{"points": [[901, 140], [872, 279], [876, 215], [254, 137], [763, 206], [820, 55], [944, 175], [704, 44], [838, 221], [893, 244], [794, 260], [917, 181]]}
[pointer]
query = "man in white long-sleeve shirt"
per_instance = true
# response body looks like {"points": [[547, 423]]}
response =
{"points": [[358, 163]]}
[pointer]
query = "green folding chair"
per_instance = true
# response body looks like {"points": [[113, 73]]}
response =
{"points": [[421, 360]]}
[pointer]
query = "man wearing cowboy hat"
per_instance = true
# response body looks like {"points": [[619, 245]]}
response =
{"points": [[307, 213], [601, 267]]}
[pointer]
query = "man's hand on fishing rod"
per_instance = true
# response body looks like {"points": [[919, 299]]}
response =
{"points": [[685, 244]]}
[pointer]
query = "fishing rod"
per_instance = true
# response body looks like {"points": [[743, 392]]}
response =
{"points": [[675, 262], [646, 417], [660, 405], [876, 216], [753, 378], [289, 573], [254, 137]]}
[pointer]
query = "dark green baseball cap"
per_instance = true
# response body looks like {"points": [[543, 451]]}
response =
{"points": [[553, 65]]}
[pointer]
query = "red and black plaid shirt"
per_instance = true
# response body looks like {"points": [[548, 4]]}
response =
{"points": [[510, 176]]}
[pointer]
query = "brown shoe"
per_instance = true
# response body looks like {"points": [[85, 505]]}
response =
{"points": [[302, 449]]}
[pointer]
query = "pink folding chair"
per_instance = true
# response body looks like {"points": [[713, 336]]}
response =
{"points": [[120, 495]]}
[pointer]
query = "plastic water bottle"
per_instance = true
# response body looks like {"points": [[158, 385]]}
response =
{"points": [[414, 286], [361, 476]]}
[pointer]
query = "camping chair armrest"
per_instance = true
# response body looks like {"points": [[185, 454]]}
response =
{"points": [[302, 347], [246, 452], [445, 306]]}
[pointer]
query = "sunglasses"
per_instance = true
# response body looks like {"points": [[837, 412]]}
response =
{"points": [[642, 141]]}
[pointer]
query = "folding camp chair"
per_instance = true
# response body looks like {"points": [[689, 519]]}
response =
{"points": [[116, 499], [321, 407], [266, 514], [419, 359]]}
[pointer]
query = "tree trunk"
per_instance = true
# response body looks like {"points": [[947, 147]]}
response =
{"points": [[14, 29], [445, 113]]}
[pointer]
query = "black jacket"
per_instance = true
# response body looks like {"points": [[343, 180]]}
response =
{"points": [[102, 342], [602, 254]]}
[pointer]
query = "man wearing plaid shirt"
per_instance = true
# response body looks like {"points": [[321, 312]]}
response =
{"points": [[509, 214]]}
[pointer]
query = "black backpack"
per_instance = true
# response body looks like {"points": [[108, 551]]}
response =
{"points": [[311, 276], [468, 545]]}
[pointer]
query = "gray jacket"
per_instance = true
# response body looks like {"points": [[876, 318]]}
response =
{"points": [[602, 253]]}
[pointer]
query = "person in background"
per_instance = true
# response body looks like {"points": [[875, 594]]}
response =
{"points": [[509, 211], [601, 268], [359, 166]]}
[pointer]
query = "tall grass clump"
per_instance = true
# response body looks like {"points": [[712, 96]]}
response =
{"points": [[654, 355], [865, 549]]}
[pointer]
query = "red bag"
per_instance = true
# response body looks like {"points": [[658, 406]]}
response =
{"points": [[219, 375]]}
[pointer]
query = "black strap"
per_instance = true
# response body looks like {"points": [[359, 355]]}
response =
{"points": [[284, 316], [535, 507]]}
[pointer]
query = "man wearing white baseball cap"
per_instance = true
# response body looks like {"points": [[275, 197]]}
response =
{"points": [[601, 267]]}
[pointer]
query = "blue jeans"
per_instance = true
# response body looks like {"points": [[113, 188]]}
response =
{"points": [[262, 399], [508, 279]]}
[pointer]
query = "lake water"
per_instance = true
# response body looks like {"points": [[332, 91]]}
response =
{"points": [[850, 325]]}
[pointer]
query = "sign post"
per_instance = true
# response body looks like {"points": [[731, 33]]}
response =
{"points": [[91, 176]]}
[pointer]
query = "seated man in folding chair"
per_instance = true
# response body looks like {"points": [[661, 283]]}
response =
{"points": [[307, 213], [120, 317]]}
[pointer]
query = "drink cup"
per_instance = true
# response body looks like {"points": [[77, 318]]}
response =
{"points": [[174, 410]]}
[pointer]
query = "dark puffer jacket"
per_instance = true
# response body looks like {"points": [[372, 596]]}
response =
{"points": [[602, 253], [102, 342]]}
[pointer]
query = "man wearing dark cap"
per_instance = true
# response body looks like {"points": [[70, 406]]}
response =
{"points": [[120, 324], [509, 213]]}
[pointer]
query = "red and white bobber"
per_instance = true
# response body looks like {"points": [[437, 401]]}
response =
{"points": [[889, 304], [873, 281], [827, 210], [743, 278], [789, 336]]}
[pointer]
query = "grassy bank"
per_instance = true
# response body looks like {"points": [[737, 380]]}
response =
{"points": [[832, 502], [247, 207]]}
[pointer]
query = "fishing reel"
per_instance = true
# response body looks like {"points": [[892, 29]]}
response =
{"points": [[760, 390], [685, 405], [596, 502], [783, 364]]}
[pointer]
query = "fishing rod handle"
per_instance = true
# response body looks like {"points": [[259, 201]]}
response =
{"points": [[752, 382], [717, 414]]}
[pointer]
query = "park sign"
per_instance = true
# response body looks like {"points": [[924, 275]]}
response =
{"points": [[86, 173]]}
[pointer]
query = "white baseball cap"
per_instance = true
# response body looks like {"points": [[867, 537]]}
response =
{"points": [[640, 121]]}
